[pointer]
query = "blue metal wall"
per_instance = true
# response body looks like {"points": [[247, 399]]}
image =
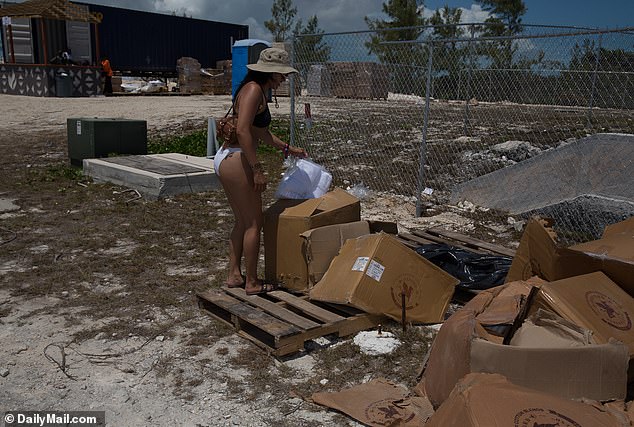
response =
{"points": [[143, 42]]}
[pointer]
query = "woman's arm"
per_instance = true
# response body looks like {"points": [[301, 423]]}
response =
{"points": [[272, 140]]}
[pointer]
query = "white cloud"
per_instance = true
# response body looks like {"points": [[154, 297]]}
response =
{"points": [[257, 30], [333, 15], [474, 14]]}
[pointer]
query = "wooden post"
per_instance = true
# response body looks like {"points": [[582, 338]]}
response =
{"points": [[44, 44], [403, 312], [11, 43], [97, 49]]}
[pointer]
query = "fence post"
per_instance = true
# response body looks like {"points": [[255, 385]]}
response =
{"points": [[594, 81], [468, 93], [292, 92], [423, 144]]}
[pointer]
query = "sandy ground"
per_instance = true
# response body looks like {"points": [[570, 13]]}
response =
{"points": [[118, 374], [21, 113]]}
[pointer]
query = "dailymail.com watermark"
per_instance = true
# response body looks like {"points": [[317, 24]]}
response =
{"points": [[54, 418]]}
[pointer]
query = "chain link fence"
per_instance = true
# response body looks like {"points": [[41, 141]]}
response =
{"points": [[500, 122]]}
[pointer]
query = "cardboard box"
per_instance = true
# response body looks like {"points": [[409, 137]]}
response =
{"points": [[491, 400], [286, 219], [539, 254], [371, 272], [378, 403], [592, 301], [566, 369], [579, 368], [322, 244]]}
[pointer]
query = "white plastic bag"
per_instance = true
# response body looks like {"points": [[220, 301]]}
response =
{"points": [[303, 180]]}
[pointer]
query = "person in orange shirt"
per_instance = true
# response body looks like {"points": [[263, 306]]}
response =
{"points": [[107, 71]]}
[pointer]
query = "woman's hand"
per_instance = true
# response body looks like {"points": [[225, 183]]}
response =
{"points": [[297, 152], [259, 179]]}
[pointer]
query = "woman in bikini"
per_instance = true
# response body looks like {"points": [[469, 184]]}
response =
{"points": [[240, 172]]}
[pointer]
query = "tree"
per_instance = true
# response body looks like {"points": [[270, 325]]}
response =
{"points": [[507, 12], [406, 23], [446, 23], [505, 20], [448, 56], [283, 13], [309, 45]]}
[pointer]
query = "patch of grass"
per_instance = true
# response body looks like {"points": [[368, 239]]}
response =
{"points": [[281, 128], [194, 142], [65, 172]]}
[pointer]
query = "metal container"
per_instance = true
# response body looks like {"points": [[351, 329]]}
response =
{"points": [[63, 85], [93, 138], [142, 42]]}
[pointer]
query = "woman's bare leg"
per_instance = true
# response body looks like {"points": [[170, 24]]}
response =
{"points": [[237, 179], [234, 276]]}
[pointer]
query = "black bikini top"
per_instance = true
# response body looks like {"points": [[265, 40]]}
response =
{"points": [[263, 119]]}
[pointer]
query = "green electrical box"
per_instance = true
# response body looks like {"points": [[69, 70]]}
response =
{"points": [[90, 138]]}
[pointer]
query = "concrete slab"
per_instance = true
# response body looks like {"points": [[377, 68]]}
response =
{"points": [[156, 175], [600, 165]]}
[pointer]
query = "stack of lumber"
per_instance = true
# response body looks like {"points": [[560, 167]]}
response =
{"points": [[189, 80], [362, 80]]}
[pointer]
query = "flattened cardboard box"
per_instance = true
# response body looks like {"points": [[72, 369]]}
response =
{"points": [[379, 403], [539, 254], [322, 244], [285, 220], [491, 400], [373, 271]]}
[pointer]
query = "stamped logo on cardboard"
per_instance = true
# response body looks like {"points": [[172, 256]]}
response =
{"points": [[541, 417], [608, 310], [406, 284], [384, 412]]}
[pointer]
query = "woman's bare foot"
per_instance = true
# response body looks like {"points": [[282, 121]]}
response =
{"points": [[259, 287], [235, 282]]}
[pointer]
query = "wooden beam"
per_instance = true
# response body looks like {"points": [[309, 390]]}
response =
{"points": [[44, 44], [97, 48], [11, 49]]}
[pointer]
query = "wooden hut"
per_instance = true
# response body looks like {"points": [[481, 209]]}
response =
{"points": [[34, 32]]}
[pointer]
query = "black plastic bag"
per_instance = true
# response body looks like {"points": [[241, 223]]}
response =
{"points": [[475, 271]]}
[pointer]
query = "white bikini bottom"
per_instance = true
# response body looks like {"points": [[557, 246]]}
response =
{"points": [[221, 155]]}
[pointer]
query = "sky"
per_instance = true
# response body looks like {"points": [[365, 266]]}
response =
{"points": [[348, 15]]}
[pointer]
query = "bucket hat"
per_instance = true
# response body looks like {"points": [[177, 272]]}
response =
{"points": [[273, 60]]}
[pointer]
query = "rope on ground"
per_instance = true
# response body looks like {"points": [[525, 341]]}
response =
{"points": [[14, 236], [61, 365]]}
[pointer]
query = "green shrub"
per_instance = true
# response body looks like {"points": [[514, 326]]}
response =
{"points": [[195, 143]]}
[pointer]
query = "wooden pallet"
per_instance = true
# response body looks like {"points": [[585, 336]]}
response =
{"points": [[281, 322], [439, 235]]}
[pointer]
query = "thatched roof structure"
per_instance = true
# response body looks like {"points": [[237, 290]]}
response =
{"points": [[50, 9]]}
